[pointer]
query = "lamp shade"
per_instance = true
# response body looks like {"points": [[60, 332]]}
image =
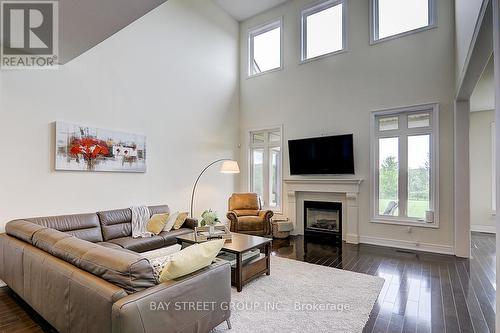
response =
{"points": [[230, 167]]}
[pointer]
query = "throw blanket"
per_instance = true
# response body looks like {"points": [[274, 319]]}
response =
{"points": [[140, 216]]}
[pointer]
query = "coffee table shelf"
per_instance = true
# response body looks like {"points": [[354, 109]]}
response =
{"points": [[243, 272]]}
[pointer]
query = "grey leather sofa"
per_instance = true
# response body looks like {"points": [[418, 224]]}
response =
{"points": [[85, 273]]}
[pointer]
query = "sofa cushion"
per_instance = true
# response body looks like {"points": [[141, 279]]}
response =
{"points": [[118, 223], [22, 230], [83, 226], [126, 269], [110, 245], [139, 244], [45, 239], [169, 237]]}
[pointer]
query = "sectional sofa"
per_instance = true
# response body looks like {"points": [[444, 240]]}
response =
{"points": [[85, 273]]}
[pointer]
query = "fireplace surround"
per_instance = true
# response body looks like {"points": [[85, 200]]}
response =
{"points": [[323, 218], [346, 189]]}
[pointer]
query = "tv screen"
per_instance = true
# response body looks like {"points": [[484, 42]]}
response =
{"points": [[323, 155]]}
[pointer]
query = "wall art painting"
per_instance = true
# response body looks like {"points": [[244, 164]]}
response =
{"points": [[84, 148]]}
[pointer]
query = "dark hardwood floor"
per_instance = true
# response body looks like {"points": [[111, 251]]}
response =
{"points": [[422, 292]]}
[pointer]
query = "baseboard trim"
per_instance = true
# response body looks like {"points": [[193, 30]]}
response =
{"points": [[407, 245], [490, 229]]}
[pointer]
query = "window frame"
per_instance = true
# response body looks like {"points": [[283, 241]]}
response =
{"points": [[493, 168], [374, 23], [266, 146], [433, 130], [314, 8], [258, 30]]}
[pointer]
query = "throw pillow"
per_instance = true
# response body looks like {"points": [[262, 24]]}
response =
{"points": [[181, 218], [156, 223], [191, 259], [171, 221]]}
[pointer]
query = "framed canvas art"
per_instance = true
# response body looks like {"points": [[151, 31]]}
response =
{"points": [[84, 148]]}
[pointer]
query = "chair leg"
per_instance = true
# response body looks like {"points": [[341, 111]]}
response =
{"points": [[228, 322]]}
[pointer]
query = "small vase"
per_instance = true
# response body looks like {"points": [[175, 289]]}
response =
{"points": [[211, 230]]}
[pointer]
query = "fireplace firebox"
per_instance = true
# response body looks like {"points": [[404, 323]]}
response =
{"points": [[323, 218]]}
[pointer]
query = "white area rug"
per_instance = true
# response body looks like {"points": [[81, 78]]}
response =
{"points": [[303, 297]]}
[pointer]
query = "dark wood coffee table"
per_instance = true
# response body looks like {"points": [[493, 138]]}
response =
{"points": [[242, 273]]}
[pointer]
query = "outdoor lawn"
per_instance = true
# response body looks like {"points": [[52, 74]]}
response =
{"points": [[416, 208]]}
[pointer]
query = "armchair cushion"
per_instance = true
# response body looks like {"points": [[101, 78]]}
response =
{"points": [[247, 212], [244, 201], [250, 223]]}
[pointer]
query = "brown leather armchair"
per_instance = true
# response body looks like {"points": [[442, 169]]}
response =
{"points": [[246, 215]]}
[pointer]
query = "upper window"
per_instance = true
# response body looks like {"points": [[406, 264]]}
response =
{"points": [[265, 166], [264, 48], [323, 29], [404, 161], [392, 18]]}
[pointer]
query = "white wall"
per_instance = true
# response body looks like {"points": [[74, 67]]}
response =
{"points": [[481, 171], [172, 75], [335, 95], [483, 96], [466, 16]]}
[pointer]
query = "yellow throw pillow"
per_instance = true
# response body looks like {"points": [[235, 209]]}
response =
{"points": [[181, 218], [156, 223], [191, 259]]}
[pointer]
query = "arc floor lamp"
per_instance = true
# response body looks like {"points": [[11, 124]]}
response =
{"points": [[228, 166]]}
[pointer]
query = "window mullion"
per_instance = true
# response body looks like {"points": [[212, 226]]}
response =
{"points": [[376, 166], [403, 175], [403, 163], [266, 166]]}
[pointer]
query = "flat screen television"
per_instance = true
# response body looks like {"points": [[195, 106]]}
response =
{"points": [[322, 155]]}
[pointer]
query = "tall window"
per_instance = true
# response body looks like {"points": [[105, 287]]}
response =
{"points": [[392, 18], [323, 29], [264, 48], [265, 166], [404, 161]]}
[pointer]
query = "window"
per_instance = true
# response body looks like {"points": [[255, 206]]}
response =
{"points": [[323, 29], [404, 163], [393, 18], [265, 166], [264, 48]]}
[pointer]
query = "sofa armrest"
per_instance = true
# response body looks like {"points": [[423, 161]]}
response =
{"points": [[266, 214], [232, 216], [190, 223], [233, 221], [195, 303]]}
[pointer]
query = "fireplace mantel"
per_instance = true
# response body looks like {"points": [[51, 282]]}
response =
{"points": [[347, 187]]}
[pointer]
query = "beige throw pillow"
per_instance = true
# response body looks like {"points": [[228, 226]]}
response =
{"points": [[181, 218], [171, 221], [156, 223], [191, 259]]}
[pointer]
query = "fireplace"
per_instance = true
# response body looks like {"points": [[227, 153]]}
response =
{"points": [[323, 218]]}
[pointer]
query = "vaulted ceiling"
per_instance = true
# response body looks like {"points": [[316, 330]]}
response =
{"points": [[85, 23], [241, 10]]}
